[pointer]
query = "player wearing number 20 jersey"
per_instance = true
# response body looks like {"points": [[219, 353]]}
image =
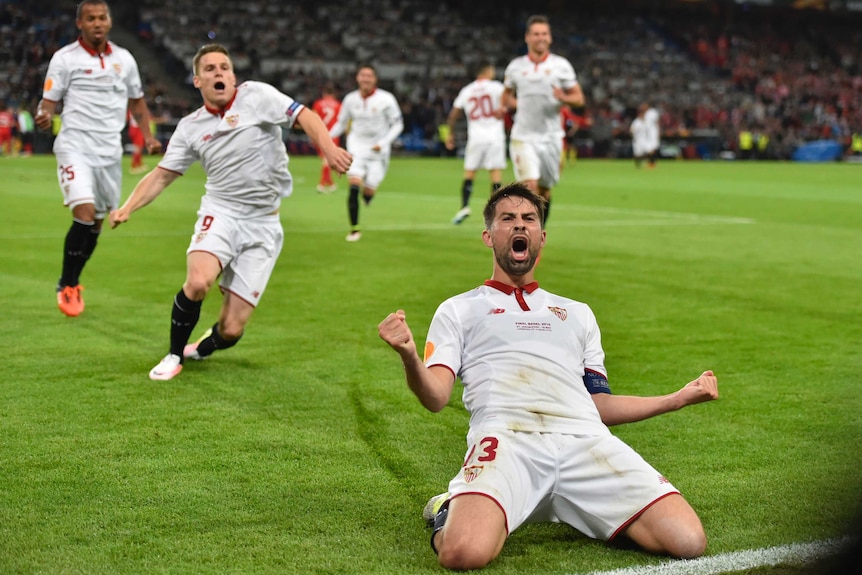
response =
{"points": [[479, 101], [486, 134]]}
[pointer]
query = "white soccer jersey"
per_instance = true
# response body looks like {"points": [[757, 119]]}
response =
{"points": [[478, 100], [538, 113], [651, 117], [240, 148], [95, 90], [521, 356], [374, 121]]}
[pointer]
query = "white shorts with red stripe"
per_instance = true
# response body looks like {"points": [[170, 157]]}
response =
{"points": [[598, 485]]}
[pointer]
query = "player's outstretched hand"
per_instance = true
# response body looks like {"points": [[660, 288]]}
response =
{"points": [[154, 146], [704, 388], [395, 331], [118, 217], [339, 160]]}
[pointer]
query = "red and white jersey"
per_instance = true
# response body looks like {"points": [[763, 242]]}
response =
{"points": [[327, 108], [95, 89], [538, 113], [374, 121], [478, 100], [240, 148], [521, 355], [7, 120]]}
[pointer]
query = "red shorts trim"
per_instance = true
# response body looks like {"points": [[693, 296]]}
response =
{"points": [[634, 517]]}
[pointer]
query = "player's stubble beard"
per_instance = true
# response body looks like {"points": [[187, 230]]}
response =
{"points": [[513, 267]]}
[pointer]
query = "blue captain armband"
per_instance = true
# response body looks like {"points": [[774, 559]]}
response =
{"points": [[595, 382]]}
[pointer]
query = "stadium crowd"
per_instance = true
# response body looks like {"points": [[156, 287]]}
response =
{"points": [[779, 76]]}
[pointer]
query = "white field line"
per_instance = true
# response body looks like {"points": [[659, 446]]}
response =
{"points": [[794, 554]]}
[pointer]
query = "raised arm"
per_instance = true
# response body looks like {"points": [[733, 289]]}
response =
{"points": [[338, 158], [145, 192], [431, 385], [617, 409]]}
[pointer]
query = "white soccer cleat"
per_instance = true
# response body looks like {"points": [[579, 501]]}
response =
{"points": [[167, 369], [190, 351], [462, 215], [353, 236], [429, 513]]}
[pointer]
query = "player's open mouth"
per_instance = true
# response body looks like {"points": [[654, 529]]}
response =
{"points": [[219, 86], [519, 248]]}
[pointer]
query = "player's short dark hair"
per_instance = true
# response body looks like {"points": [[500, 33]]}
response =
{"points": [[90, 3], [483, 65], [364, 65], [516, 189], [208, 49], [537, 19]]}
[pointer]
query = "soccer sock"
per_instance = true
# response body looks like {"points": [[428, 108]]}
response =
{"points": [[184, 317], [367, 197], [495, 186], [439, 522], [214, 342], [466, 192], [92, 240], [353, 205], [75, 252], [326, 176]]}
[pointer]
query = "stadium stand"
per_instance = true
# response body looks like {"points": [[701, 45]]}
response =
{"points": [[714, 69]]}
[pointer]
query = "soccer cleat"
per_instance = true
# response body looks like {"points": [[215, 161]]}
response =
{"points": [[321, 189], [138, 169], [190, 351], [462, 215], [331, 188], [353, 236], [69, 300], [429, 513], [168, 368]]}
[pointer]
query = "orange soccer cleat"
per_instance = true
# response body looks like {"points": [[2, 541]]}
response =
{"points": [[69, 300]]}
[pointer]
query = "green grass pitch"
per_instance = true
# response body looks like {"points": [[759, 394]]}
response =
{"points": [[302, 451]]}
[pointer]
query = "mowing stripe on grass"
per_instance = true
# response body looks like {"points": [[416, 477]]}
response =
{"points": [[794, 554]]}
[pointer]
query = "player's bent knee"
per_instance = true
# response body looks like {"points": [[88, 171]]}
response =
{"points": [[463, 557], [688, 544]]}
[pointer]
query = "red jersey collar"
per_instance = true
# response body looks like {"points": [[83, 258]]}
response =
{"points": [[91, 50], [509, 290], [542, 59], [371, 93], [220, 111]]}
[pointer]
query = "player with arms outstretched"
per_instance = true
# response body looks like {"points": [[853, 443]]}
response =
{"points": [[236, 136], [535, 385]]}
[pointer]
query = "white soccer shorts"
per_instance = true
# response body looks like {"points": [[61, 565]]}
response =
{"points": [[598, 485], [485, 156], [84, 181], [537, 160], [246, 248]]}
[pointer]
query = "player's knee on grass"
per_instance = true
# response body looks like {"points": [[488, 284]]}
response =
{"points": [[462, 555]]}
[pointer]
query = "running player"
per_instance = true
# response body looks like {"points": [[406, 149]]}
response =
{"points": [[236, 136], [479, 101], [374, 119], [96, 81]]}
